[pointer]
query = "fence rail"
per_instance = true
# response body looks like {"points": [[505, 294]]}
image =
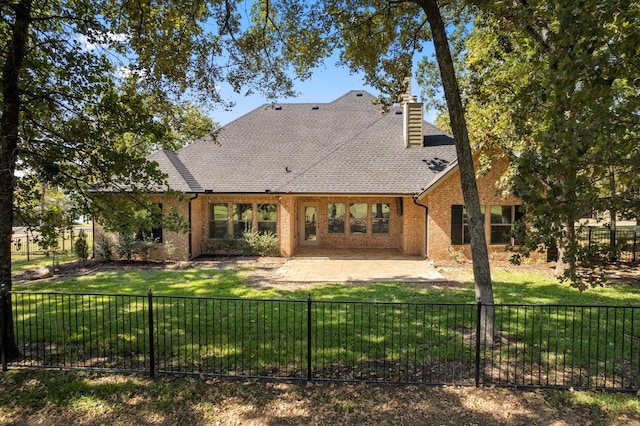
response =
{"points": [[583, 347]]}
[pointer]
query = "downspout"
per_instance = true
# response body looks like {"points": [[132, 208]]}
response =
{"points": [[426, 224], [190, 227]]}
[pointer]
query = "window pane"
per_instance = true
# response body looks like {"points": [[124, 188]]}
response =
{"points": [[466, 237], [267, 218], [500, 234], [501, 222], [242, 219], [501, 215], [380, 218], [335, 220], [358, 218], [218, 220]]}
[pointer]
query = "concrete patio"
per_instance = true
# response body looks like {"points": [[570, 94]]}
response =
{"points": [[318, 265]]}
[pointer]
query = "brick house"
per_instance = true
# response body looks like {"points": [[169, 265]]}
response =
{"points": [[332, 176]]}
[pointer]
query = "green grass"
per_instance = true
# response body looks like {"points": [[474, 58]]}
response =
{"points": [[36, 261], [374, 340]]}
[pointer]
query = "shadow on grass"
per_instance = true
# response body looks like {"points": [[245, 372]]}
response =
{"points": [[53, 397]]}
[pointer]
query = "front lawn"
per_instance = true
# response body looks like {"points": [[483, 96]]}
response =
{"points": [[217, 320], [522, 285]]}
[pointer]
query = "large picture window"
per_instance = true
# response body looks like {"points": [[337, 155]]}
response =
{"points": [[238, 218], [335, 220]]}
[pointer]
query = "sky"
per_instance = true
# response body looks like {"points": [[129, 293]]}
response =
{"points": [[326, 84]]}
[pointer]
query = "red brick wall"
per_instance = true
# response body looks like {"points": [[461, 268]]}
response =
{"points": [[448, 193]]}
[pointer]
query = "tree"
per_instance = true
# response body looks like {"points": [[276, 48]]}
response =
{"points": [[553, 85], [481, 269], [66, 113], [72, 121]]}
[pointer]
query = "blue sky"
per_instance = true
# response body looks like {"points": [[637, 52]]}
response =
{"points": [[325, 85]]}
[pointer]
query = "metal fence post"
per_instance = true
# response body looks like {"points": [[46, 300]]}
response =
{"points": [[27, 238], [635, 246], [152, 351], [478, 346], [309, 338], [5, 328]]}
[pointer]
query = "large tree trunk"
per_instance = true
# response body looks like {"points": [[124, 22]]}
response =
{"points": [[481, 270], [9, 125], [566, 266]]}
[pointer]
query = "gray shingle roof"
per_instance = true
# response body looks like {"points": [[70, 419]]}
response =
{"points": [[346, 146]]}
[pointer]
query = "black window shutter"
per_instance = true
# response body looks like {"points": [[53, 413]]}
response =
{"points": [[456, 224]]}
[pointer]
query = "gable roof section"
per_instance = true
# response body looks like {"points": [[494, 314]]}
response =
{"points": [[343, 147], [178, 176]]}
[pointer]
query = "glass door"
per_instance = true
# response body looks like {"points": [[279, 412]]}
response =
{"points": [[309, 224]]}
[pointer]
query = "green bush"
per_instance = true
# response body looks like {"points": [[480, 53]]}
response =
{"points": [[104, 248], [249, 244], [127, 245], [81, 246], [227, 245], [262, 244], [145, 246]]}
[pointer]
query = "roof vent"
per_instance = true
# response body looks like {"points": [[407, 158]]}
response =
{"points": [[359, 94], [278, 107], [315, 107]]}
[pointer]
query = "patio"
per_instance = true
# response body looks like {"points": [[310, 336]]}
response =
{"points": [[324, 265]]}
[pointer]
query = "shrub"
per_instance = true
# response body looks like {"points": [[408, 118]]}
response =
{"points": [[228, 245], [262, 244], [249, 244], [169, 249], [104, 248], [144, 247], [127, 245], [81, 247]]}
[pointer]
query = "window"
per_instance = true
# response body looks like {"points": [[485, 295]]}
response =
{"points": [[380, 218], [358, 218], [242, 219], [237, 218], [460, 225], [267, 218], [502, 220], [218, 220], [155, 233], [335, 220]]}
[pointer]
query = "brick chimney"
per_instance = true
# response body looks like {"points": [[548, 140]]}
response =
{"points": [[413, 116]]}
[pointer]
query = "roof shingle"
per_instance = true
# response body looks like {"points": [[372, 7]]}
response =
{"points": [[344, 147]]}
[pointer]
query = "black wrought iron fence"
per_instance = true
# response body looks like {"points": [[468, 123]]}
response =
{"points": [[538, 345], [27, 247], [623, 244]]}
